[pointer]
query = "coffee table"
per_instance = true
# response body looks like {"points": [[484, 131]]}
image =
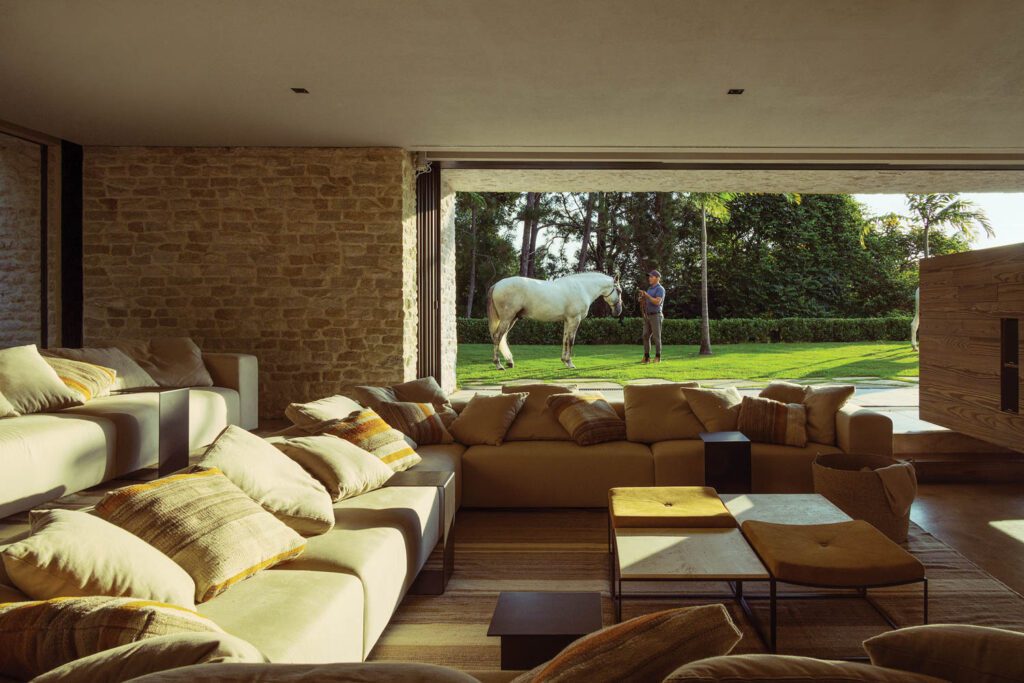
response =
{"points": [[536, 626]]}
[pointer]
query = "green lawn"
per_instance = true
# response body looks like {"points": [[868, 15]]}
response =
{"points": [[885, 360]]}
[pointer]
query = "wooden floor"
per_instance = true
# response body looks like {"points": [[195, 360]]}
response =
{"points": [[985, 522]]}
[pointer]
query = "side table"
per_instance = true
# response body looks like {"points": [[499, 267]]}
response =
{"points": [[726, 461], [172, 404], [433, 581], [534, 627]]}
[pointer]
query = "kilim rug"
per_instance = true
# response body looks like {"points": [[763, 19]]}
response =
{"points": [[567, 551]]}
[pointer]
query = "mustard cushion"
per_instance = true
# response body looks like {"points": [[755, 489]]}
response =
{"points": [[668, 506]]}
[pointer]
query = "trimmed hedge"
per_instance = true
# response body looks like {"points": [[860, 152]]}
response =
{"points": [[675, 331]]}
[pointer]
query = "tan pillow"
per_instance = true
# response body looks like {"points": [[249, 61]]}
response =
{"points": [[717, 409], [645, 648], [206, 524], [418, 421], [40, 636], [321, 410], [823, 403], [161, 653], [659, 412], [130, 374], [170, 361], [367, 430], [71, 554], [486, 419], [272, 479], [535, 421], [6, 409], [361, 672], [956, 652], [588, 418], [30, 385], [774, 668], [423, 390], [767, 421], [345, 469], [784, 392], [89, 381]]}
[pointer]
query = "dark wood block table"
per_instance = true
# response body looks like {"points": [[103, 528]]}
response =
{"points": [[726, 461], [534, 627], [173, 416], [433, 578]]}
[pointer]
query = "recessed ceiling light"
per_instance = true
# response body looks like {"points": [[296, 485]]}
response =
{"points": [[303, 91], [735, 91]]}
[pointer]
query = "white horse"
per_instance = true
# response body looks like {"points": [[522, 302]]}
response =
{"points": [[917, 319], [567, 299]]}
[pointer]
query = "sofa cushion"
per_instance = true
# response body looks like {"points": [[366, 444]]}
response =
{"points": [[30, 385], [822, 402], [272, 479], [444, 458], [6, 409], [784, 469], [956, 652], [774, 668], [72, 554], [367, 430], [170, 361], [210, 410], [535, 421], [88, 380], [370, 672], [588, 418], [678, 463], [130, 375], [486, 419], [785, 392], [206, 524], [321, 410], [659, 412], [717, 409], [418, 421], [768, 421], [342, 467], [422, 390]]}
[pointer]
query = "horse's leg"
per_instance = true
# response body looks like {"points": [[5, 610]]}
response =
{"points": [[572, 343], [917, 319], [504, 348], [568, 339], [498, 338]]}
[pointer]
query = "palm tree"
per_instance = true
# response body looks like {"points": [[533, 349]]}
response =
{"points": [[937, 210], [716, 204]]}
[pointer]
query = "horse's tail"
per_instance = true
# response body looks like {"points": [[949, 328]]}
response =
{"points": [[492, 313]]}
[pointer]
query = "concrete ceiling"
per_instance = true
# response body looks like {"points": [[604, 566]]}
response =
{"points": [[932, 76]]}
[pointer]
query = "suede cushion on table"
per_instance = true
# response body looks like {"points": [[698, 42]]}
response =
{"points": [[668, 506], [30, 385], [588, 418], [765, 668], [272, 479], [367, 672], [367, 430], [206, 524], [535, 421], [768, 421], [717, 409], [822, 404], [321, 410], [39, 636], [161, 653], [87, 379], [170, 361], [486, 419], [419, 421], [646, 648], [659, 412], [956, 652], [74, 553], [345, 469], [130, 375]]}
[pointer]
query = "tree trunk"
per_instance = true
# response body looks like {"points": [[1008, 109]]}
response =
{"points": [[588, 218], [472, 262], [602, 230], [927, 229], [524, 252], [705, 318], [531, 266]]}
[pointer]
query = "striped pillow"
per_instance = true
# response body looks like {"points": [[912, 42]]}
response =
{"points": [[206, 524], [89, 380], [40, 636], [367, 430], [768, 421], [588, 418], [418, 421]]}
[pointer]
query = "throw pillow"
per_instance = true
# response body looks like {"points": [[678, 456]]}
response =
{"points": [[588, 418], [367, 430], [130, 374], [823, 403], [161, 653], [88, 380], [418, 421], [645, 648], [717, 409], [321, 410], [659, 412], [40, 636], [345, 469], [768, 421], [955, 652], [272, 479], [486, 419], [206, 524], [427, 390], [784, 392], [535, 421], [71, 554], [774, 668], [6, 409], [171, 362], [362, 672], [30, 385]]}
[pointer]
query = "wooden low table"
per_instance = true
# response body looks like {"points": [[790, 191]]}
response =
{"points": [[534, 627]]}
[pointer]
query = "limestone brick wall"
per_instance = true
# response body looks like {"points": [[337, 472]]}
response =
{"points": [[305, 257], [20, 189], [449, 334]]}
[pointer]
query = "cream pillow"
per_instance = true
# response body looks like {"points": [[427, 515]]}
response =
{"points": [[367, 430], [659, 412], [717, 409], [30, 385], [206, 524], [486, 419], [6, 409], [957, 652], [784, 392], [71, 554], [170, 361], [345, 470], [273, 480], [329, 408], [130, 374], [89, 381]]}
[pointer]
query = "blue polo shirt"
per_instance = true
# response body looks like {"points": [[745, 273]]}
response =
{"points": [[655, 291]]}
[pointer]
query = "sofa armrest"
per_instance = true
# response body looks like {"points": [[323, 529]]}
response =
{"points": [[238, 371], [863, 431]]}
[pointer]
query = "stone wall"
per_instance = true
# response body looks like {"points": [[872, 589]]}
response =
{"points": [[449, 295], [20, 189], [305, 257]]}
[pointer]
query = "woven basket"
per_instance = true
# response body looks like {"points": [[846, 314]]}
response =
{"points": [[849, 481]]}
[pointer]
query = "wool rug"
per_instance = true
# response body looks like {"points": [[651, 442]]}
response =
{"points": [[566, 550]]}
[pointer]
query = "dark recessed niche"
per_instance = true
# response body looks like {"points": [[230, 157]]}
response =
{"points": [[735, 91], [1009, 357], [300, 91]]}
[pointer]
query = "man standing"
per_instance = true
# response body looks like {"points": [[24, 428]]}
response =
{"points": [[653, 301]]}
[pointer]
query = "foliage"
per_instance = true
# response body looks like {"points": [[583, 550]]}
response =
{"points": [[931, 211]]}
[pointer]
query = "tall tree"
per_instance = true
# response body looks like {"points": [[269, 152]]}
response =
{"points": [[588, 225], [717, 205], [938, 210], [531, 214], [476, 201]]}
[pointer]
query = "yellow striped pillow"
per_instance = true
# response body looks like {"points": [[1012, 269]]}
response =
{"points": [[87, 379], [42, 635], [206, 524], [370, 432], [419, 421]]}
